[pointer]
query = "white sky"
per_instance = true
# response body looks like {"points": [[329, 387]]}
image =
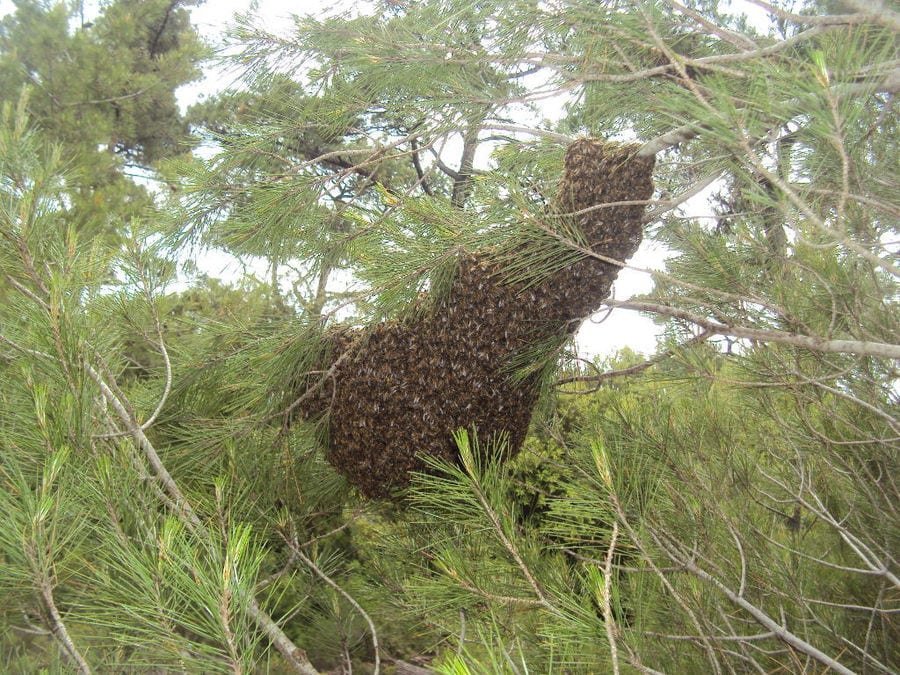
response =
{"points": [[621, 328]]}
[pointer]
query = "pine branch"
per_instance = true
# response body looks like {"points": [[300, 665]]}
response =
{"points": [[294, 655], [760, 169], [185, 510], [889, 83], [635, 369], [780, 631], [328, 580], [660, 573], [161, 344], [462, 439], [417, 164], [868, 11], [463, 180], [608, 618], [58, 626], [816, 344]]}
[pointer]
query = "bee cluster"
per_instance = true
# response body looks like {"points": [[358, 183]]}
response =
{"points": [[399, 390]]}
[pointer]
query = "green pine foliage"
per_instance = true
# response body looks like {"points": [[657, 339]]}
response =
{"points": [[103, 88], [727, 504]]}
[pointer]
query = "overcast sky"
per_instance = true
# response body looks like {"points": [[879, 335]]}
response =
{"points": [[622, 328]]}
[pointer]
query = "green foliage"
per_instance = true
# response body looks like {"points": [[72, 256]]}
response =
{"points": [[105, 92], [687, 474], [87, 545], [729, 505]]}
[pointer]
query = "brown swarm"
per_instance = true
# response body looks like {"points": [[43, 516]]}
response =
{"points": [[400, 390]]}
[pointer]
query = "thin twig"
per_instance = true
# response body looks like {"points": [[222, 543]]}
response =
{"points": [[328, 580], [779, 630], [540, 133], [159, 469], [869, 11], [59, 627], [295, 656], [25, 350], [163, 352], [890, 83], [633, 370], [609, 620], [664, 580], [508, 545], [493, 597], [717, 638]]}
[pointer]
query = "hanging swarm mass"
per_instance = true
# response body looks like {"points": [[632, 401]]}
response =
{"points": [[399, 391]]}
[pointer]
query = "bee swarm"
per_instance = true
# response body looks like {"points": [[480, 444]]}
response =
{"points": [[400, 390]]}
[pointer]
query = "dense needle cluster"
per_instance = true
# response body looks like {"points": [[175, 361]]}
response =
{"points": [[399, 390]]}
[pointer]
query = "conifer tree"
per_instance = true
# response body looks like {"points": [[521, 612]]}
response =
{"points": [[103, 88], [726, 504]]}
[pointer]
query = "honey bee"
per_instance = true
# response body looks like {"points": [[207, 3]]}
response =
{"points": [[409, 384]]}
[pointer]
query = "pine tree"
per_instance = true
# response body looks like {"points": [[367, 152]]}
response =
{"points": [[103, 88], [725, 505]]}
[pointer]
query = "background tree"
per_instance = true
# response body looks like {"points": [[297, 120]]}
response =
{"points": [[727, 504], [103, 88]]}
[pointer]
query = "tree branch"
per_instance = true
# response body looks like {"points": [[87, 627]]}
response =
{"points": [[417, 164], [635, 369], [59, 627], [868, 11], [608, 619], [816, 344], [540, 133], [889, 83], [295, 656], [328, 580], [463, 180], [779, 631]]}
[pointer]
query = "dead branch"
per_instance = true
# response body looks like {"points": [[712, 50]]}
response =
{"points": [[816, 344]]}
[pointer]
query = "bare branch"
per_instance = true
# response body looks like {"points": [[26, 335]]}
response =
{"points": [[463, 441], [162, 474], [816, 344], [637, 541], [328, 580], [737, 39], [417, 164], [670, 139], [167, 388], [27, 292], [717, 638], [894, 424], [494, 597], [19, 348], [59, 627], [635, 369], [294, 655], [540, 133], [779, 631], [510, 547], [868, 11], [462, 182], [609, 620], [740, 547]]}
